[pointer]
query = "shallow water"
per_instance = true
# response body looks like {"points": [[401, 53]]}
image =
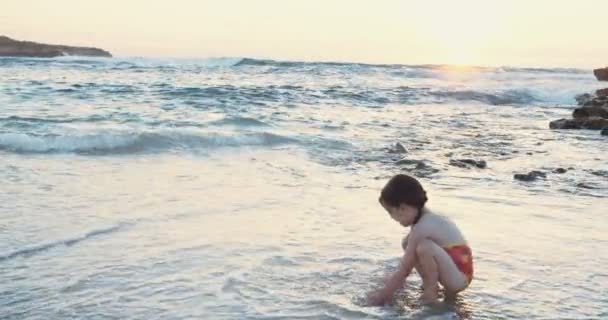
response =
{"points": [[246, 189]]}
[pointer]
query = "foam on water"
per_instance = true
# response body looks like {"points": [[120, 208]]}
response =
{"points": [[132, 142], [32, 250]]}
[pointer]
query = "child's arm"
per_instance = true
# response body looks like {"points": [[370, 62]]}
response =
{"points": [[404, 242], [406, 265], [395, 281]]}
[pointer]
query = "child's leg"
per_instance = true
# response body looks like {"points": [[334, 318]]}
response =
{"points": [[438, 267]]}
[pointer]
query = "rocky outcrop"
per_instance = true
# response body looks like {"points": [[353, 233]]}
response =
{"points": [[530, 176], [581, 99], [595, 123], [601, 74], [602, 92], [593, 110], [592, 115], [13, 48]]}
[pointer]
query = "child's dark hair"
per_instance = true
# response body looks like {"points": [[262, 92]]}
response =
{"points": [[403, 189]]}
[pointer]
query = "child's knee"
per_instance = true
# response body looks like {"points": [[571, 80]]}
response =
{"points": [[425, 247]]}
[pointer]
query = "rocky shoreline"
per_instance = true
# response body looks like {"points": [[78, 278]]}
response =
{"points": [[592, 112], [14, 48]]}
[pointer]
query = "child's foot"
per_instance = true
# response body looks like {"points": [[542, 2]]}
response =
{"points": [[450, 296], [430, 296]]}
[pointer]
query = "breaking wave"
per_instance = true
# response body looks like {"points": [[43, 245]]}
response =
{"points": [[133, 142]]}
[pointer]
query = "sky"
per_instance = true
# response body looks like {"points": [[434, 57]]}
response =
{"points": [[544, 33]]}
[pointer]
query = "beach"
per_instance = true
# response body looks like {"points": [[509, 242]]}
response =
{"points": [[229, 188]]}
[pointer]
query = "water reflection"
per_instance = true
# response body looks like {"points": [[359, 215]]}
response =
{"points": [[408, 305]]}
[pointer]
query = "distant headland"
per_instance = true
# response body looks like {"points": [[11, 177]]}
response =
{"points": [[14, 48]]}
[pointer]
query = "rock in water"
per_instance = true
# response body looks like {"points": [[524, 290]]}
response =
{"points": [[602, 92], [605, 131], [409, 162], [466, 163], [601, 74], [581, 99], [596, 102], [584, 186], [398, 148], [587, 112], [601, 173], [593, 113], [594, 123], [530, 176], [13, 48], [560, 170]]}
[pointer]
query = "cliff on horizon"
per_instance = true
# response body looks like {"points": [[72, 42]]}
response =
{"points": [[14, 48]]}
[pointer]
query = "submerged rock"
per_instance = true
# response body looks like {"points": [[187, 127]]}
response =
{"points": [[605, 132], [530, 176], [594, 123], [14, 48], [601, 74], [467, 163], [560, 170], [459, 164], [397, 148], [409, 162], [418, 168], [585, 186], [601, 173], [423, 170]]}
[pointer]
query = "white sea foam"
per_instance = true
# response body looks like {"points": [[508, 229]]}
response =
{"points": [[130, 142]]}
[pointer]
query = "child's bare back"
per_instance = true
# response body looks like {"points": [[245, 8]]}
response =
{"points": [[438, 228]]}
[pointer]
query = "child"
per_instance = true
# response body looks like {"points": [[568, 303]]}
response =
{"points": [[434, 246]]}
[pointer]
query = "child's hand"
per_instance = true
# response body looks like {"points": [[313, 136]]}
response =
{"points": [[378, 298], [392, 282]]}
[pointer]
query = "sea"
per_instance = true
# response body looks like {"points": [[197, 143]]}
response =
{"points": [[241, 188]]}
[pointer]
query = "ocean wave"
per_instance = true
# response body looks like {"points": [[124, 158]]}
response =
{"points": [[411, 95], [32, 250], [133, 142], [276, 63], [126, 63], [543, 70], [240, 122], [406, 67], [35, 120], [229, 96], [235, 97], [394, 70], [225, 94], [193, 64], [290, 64], [174, 64], [507, 97]]}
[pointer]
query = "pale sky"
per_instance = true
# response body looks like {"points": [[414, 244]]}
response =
{"points": [[560, 33]]}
